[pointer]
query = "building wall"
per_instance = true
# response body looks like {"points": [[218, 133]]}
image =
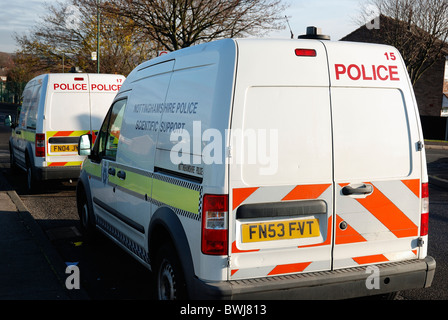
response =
{"points": [[429, 90]]}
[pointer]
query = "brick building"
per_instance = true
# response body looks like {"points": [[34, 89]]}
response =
{"points": [[431, 90]]}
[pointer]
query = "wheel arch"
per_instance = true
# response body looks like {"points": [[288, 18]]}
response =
{"points": [[83, 189], [166, 226], [29, 155]]}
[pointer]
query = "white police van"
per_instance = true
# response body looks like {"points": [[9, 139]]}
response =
{"points": [[56, 110], [265, 169]]}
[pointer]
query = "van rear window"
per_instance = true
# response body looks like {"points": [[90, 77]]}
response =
{"points": [[371, 133], [286, 136], [69, 111]]}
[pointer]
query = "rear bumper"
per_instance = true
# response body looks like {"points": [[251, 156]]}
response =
{"points": [[337, 284], [57, 173]]}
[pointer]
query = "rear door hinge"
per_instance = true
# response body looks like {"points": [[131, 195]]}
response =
{"points": [[420, 242], [420, 146]]}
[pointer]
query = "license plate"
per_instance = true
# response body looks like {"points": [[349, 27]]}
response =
{"points": [[280, 230], [64, 148]]}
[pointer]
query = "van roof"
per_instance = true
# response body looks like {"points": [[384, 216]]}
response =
{"points": [[349, 63]]}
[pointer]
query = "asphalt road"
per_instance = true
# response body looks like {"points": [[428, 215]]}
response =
{"points": [[106, 271], [109, 273]]}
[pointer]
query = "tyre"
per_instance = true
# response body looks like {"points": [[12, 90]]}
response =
{"points": [[86, 218], [30, 180], [12, 161], [169, 279]]}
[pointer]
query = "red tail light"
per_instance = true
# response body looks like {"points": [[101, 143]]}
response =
{"points": [[425, 210], [40, 145], [306, 52], [214, 224]]}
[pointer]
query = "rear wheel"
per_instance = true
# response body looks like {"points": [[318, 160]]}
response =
{"points": [[12, 160], [30, 180], [170, 282], [86, 218]]}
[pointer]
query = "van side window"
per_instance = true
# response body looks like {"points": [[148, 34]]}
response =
{"points": [[31, 116], [109, 134], [25, 107], [116, 118]]}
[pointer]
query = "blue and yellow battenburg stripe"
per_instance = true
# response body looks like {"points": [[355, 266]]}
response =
{"points": [[182, 196]]}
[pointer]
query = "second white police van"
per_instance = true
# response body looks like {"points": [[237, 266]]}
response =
{"points": [[268, 169], [56, 110]]}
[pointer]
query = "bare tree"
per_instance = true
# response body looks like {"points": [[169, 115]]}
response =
{"points": [[175, 24], [67, 35], [417, 28]]}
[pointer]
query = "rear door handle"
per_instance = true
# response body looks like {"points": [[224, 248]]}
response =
{"points": [[363, 189], [121, 175]]}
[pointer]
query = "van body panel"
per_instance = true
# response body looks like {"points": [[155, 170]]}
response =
{"points": [[33, 96], [137, 148], [373, 114], [281, 153], [315, 145], [61, 107]]}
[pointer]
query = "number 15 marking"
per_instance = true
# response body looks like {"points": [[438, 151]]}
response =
{"points": [[390, 56]]}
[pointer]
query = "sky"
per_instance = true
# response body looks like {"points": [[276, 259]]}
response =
{"points": [[335, 18]]}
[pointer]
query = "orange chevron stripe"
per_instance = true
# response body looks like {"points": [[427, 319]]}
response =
{"points": [[370, 259], [57, 164], [348, 235], [241, 194], [236, 250], [310, 191], [413, 185], [63, 133], [388, 214], [289, 268]]}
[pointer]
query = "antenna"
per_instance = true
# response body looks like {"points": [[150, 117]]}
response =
{"points": [[292, 34]]}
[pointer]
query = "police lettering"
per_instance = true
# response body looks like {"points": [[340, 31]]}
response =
{"points": [[70, 86], [105, 87], [366, 73], [184, 107]]}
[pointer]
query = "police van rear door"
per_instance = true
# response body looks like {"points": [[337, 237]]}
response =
{"points": [[281, 178], [377, 162], [103, 89], [67, 117]]}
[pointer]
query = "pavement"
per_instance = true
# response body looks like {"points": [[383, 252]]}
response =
{"points": [[438, 171], [32, 269]]}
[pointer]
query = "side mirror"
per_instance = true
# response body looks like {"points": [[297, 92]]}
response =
{"points": [[8, 121], [85, 145]]}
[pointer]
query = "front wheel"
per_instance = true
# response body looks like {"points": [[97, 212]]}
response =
{"points": [[86, 218], [30, 180], [12, 161], [169, 276]]}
